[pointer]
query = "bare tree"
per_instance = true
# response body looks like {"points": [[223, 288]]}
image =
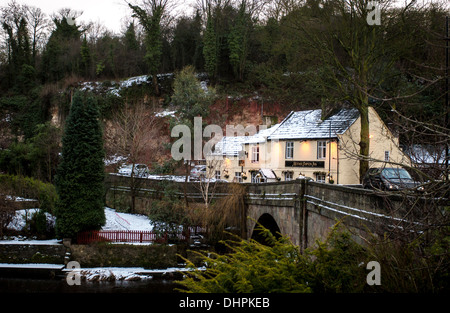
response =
{"points": [[39, 25], [208, 182], [130, 134], [95, 30], [10, 18], [280, 8]]}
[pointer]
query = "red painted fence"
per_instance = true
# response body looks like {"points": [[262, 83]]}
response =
{"points": [[87, 237]]}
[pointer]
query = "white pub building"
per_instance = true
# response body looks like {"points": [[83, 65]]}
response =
{"points": [[306, 144]]}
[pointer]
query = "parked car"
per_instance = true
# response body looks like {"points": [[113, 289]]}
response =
{"points": [[198, 171], [389, 178], [140, 170]]}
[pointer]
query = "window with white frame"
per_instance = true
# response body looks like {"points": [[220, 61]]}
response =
{"points": [[256, 177], [289, 149], [321, 149], [320, 177], [386, 156], [288, 176], [217, 175], [255, 154], [238, 176]]}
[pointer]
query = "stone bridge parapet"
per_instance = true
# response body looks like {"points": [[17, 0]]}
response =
{"points": [[305, 211]]}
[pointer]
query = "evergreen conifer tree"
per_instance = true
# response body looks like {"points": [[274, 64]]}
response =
{"points": [[80, 175], [210, 48], [238, 42]]}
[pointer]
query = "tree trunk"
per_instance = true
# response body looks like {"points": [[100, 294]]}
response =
{"points": [[133, 190], [155, 84], [364, 142]]}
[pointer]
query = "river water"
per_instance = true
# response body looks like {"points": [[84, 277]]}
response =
{"points": [[59, 285]]}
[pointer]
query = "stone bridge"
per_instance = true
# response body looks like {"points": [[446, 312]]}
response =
{"points": [[305, 211]]}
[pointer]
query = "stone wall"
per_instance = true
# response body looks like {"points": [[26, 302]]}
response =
{"points": [[124, 255], [32, 253], [118, 191], [92, 255]]}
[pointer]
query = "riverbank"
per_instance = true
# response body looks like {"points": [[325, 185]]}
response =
{"points": [[53, 278], [129, 273], [100, 267], [37, 266]]}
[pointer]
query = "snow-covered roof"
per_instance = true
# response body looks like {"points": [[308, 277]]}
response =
{"points": [[297, 125], [229, 145], [309, 125], [262, 135]]}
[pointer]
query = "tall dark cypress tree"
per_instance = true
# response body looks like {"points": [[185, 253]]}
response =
{"points": [[210, 48], [80, 175]]}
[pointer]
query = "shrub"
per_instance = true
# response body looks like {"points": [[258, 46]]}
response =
{"points": [[168, 213], [250, 267], [27, 187], [280, 267], [337, 264]]}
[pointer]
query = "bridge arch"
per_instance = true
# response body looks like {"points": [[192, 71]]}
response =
{"points": [[267, 221], [278, 219]]}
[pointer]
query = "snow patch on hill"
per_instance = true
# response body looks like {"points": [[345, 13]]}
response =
{"points": [[125, 221]]}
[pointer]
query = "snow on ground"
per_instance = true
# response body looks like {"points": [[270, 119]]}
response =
{"points": [[19, 220], [166, 113], [125, 221], [113, 273], [19, 199], [102, 273], [115, 159], [114, 221], [168, 177], [21, 241], [115, 87], [126, 273]]}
